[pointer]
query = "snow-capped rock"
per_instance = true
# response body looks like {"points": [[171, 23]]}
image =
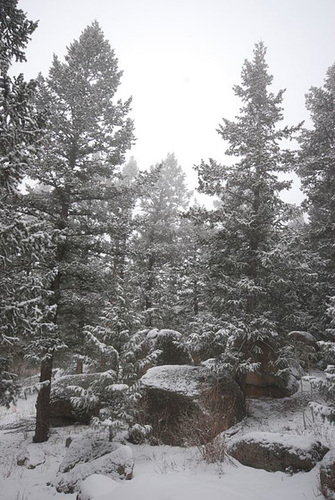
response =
{"points": [[189, 404], [86, 457], [277, 452]]}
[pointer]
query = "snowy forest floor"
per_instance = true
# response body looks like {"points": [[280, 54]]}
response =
{"points": [[164, 472]]}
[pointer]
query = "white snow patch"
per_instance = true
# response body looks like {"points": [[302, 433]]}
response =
{"points": [[119, 387], [97, 487], [181, 379]]}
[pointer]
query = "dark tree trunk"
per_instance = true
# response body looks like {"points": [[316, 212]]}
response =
{"points": [[79, 367], [42, 428], [43, 403]]}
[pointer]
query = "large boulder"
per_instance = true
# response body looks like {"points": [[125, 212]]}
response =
{"points": [[85, 457], [305, 347], [277, 452], [72, 401], [167, 346], [189, 404], [327, 475], [304, 338], [265, 381]]}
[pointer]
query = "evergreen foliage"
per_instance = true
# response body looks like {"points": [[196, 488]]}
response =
{"points": [[253, 267], [96, 251], [78, 191], [25, 242], [88, 135], [157, 241], [316, 171]]}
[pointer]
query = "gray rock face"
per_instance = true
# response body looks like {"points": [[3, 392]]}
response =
{"points": [[327, 475], [275, 452], [86, 457], [189, 405], [303, 337]]}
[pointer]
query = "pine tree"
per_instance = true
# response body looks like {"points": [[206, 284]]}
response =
{"points": [[88, 135], [247, 277], [25, 312], [316, 171], [156, 254]]}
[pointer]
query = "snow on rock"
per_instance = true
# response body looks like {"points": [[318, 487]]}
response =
{"points": [[305, 337], [117, 463], [277, 452], [85, 450], [96, 487], [180, 379], [31, 457], [327, 475], [189, 404], [167, 346]]}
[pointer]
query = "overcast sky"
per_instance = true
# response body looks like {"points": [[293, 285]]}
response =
{"points": [[181, 59]]}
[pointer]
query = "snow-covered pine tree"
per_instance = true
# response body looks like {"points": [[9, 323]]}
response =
{"points": [[117, 325], [87, 137], [157, 242], [250, 285], [25, 313], [316, 171]]}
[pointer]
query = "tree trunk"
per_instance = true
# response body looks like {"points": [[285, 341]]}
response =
{"points": [[43, 403], [79, 367]]}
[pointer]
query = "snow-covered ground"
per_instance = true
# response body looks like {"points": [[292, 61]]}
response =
{"points": [[162, 472]]}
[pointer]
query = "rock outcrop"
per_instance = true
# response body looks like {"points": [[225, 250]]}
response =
{"points": [[86, 457], [276, 452], [71, 400], [305, 347], [189, 404], [167, 346], [265, 382]]}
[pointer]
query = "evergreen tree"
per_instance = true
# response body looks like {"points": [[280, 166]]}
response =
{"points": [[156, 254], [24, 241], [249, 276], [87, 137], [316, 170]]}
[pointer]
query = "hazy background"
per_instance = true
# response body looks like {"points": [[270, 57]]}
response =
{"points": [[181, 58]]}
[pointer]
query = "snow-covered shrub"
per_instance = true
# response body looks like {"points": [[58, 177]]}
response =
{"points": [[138, 434], [208, 340], [324, 388], [119, 411], [83, 401], [327, 353], [165, 347]]}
